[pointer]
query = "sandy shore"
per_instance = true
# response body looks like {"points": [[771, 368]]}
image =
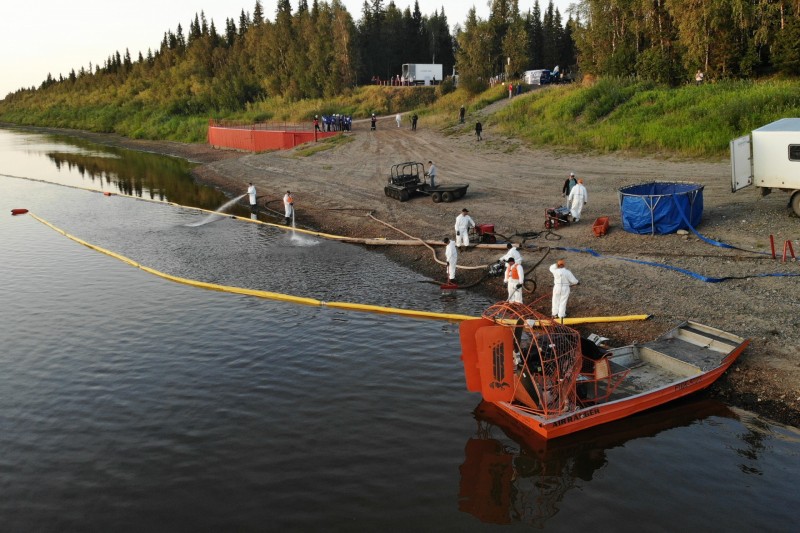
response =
{"points": [[510, 186]]}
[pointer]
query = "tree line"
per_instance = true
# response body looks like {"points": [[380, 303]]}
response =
{"points": [[319, 50], [316, 50], [669, 40]]}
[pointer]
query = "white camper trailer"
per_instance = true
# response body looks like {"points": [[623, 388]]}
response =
{"points": [[422, 73], [769, 158]]}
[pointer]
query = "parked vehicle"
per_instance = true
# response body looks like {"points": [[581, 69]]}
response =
{"points": [[769, 158], [549, 381], [408, 179], [422, 73], [537, 77]]}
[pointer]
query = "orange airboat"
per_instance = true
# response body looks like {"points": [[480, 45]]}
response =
{"points": [[546, 378]]}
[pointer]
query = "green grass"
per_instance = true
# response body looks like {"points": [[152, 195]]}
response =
{"points": [[606, 116], [325, 144], [621, 115]]}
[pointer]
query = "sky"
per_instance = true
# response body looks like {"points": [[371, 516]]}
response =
{"points": [[38, 37]]}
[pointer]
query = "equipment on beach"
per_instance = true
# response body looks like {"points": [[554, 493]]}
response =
{"points": [[408, 179], [555, 217], [483, 233]]}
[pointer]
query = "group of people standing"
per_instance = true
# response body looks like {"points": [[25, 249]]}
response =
{"points": [[335, 122], [288, 203], [514, 273]]}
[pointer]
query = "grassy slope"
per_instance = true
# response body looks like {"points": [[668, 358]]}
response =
{"points": [[608, 115]]}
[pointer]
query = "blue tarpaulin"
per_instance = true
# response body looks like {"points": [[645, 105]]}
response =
{"points": [[655, 208]]}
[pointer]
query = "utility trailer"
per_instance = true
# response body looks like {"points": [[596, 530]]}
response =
{"points": [[408, 179], [422, 73], [769, 158]]}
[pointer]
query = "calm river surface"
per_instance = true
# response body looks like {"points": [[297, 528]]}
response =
{"points": [[132, 403]]}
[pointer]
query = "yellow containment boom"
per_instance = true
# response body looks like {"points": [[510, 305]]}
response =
{"points": [[311, 301]]}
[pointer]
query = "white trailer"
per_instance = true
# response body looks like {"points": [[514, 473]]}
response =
{"points": [[769, 158], [422, 73]]}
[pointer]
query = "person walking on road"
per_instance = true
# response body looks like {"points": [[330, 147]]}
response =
{"points": [[461, 113], [478, 130], [577, 198], [373, 122], [569, 183], [451, 255], [563, 279], [414, 119], [463, 224], [513, 278], [251, 192], [288, 207], [398, 119]]}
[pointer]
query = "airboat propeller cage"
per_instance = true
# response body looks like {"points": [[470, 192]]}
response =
{"points": [[660, 208], [510, 336]]}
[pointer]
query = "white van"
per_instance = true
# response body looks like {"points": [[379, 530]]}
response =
{"points": [[536, 77]]}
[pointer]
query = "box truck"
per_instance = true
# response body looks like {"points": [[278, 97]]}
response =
{"points": [[422, 73], [769, 158]]}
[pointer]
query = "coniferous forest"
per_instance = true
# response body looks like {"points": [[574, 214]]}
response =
{"points": [[320, 50]]}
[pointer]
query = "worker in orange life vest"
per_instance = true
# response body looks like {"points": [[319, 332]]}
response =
{"points": [[513, 278], [288, 207]]}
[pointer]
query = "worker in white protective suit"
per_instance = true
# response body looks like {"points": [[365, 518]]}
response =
{"points": [[463, 224], [431, 173], [514, 278], [251, 191], [513, 251], [451, 255], [578, 197], [562, 281], [288, 207]]}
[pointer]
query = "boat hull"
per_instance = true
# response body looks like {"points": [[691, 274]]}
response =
{"points": [[596, 415]]}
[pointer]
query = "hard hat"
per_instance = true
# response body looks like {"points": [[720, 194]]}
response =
{"points": [[572, 174], [560, 262]]}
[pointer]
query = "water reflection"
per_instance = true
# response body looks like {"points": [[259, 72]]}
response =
{"points": [[525, 479], [75, 161]]}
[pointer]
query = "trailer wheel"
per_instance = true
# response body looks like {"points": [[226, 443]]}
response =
{"points": [[795, 201], [436, 197], [547, 224], [404, 196], [447, 196]]}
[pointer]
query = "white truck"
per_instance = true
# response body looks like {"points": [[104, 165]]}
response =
{"points": [[422, 73], [769, 158]]}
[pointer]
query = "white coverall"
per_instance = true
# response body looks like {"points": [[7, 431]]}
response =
{"points": [[576, 200], [432, 174], [251, 190], [288, 205], [562, 281], [513, 279], [451, 254], [463, 224], [512, 252]]}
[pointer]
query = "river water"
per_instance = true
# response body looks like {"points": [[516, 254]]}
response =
{"points": [[133, 403]]}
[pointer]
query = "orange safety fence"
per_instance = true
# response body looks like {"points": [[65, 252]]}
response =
{"points": [[262, 137]]}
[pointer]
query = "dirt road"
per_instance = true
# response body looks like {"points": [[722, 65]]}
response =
{"points": [[510, 186]]}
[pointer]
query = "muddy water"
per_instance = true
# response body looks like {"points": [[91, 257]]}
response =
{"points": [[130, 403]]}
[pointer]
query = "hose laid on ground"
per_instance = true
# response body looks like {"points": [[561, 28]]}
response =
{"points": [[307, 301], [436, 259]]}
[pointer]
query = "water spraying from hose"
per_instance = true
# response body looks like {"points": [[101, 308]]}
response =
{"points": [[218, 213]]}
